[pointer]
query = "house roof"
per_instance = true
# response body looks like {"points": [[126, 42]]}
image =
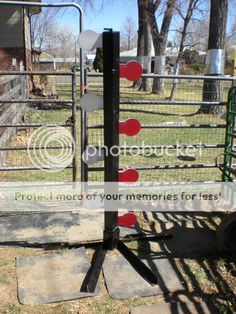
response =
{"points": [[90, 56], [170, 52], [45, 56]]}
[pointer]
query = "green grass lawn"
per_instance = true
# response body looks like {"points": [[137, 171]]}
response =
{"points": [[162, 115]]}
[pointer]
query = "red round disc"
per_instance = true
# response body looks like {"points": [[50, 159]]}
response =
{"points": [[128, 176], [130, 127], [127, 220], [132, 70]]}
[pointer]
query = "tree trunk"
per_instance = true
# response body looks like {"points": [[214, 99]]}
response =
{"points": [[191, 7], [160, 41], [217, 34], [140, 44], [147, 48]]}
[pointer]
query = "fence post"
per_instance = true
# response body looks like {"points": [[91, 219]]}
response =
{"points": [[74, 124], [84, 134]]}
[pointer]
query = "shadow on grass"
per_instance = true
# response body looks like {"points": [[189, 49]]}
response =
{"points": [[206, 272]]}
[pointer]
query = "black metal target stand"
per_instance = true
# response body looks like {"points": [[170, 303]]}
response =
{"points": [[111, 234]]}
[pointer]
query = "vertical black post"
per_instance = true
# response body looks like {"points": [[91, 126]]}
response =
{"points": [[111, 85]]}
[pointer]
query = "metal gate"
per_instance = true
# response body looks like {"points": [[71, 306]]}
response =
{"points": [[177, 143], [39, 128], [35, 126]]}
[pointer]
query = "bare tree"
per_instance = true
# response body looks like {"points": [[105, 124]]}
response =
{"points": [[47, 35], [42, 28], [140, 41], [198, 33], [144, 44], [129, 33], [63, 43], [160, 38], [192, 5], [43, 24], [148, 31], [146, 83], [215, 58]]}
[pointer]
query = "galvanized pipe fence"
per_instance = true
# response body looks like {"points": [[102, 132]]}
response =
{"points": [[48, 110], [167, 126]]}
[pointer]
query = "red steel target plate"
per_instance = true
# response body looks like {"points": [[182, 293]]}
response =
{"points": [[127, 220], [132, 70], [128, 176], [130, 127]]}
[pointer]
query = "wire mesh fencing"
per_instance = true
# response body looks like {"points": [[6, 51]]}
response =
{"points": [[182, 132], [37, 124]]}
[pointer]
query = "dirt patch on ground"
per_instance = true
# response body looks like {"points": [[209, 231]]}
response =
{"points": [[207, 277]]}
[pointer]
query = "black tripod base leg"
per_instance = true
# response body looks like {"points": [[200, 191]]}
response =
{"points": [[137, 264], [147, 237], [91, 278]]}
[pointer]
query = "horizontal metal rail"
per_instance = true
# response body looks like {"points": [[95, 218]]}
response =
{"points": [[192, 77], [167, 102], [192, 126], [209, 146], [33, 125], [164, 167], [232, 112], [121, 147], [33, 148], [151, 184], [179, 77], [167, 167], [32, 101], [232, 153], [29, 168], [231, 170], [232, 134], [22, 73], [135, 147]]}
